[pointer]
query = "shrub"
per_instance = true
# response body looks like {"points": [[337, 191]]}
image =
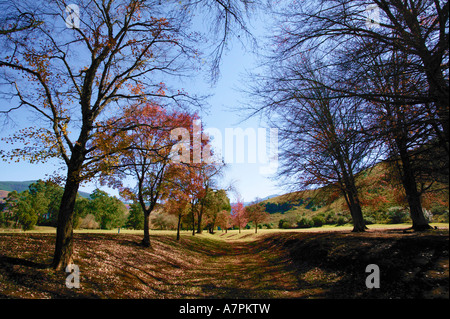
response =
{"points": [[89, 222], [444, 217], [341, 220], [318, 221], [283, 224], [268, 225], [28, 220], [330, 218], [369, 220], [305, 222], [164, 222], [397, 215]]}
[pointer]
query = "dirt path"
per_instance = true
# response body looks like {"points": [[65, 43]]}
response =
{"points": [[241, 271]]}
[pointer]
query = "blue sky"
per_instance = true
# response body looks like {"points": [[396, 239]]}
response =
{"points": [[221, 115]]}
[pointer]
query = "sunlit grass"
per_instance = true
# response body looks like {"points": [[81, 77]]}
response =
{"points": [[230, 235]]}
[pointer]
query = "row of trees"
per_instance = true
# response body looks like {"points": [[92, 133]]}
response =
{"points": [[39, 205], [83, 78], [350, 83], [241, 215]]}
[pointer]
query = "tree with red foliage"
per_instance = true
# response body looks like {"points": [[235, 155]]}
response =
{"points": [[239, 215], [257, 214], [224, 220], [145, 154], [74, 77]]}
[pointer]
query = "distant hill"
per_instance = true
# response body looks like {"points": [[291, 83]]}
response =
{"points": [[262, 199], [20, 186], [378, 195], [269, 197]]}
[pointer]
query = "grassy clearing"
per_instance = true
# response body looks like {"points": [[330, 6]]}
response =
{"points": [[244, 234], [270, 264]]}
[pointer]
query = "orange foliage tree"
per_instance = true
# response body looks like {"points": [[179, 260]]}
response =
{"points": [[239, 215], [145, 154], [257, 214], [74, 77]]}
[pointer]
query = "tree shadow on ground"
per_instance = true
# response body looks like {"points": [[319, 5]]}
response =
{"points": [[411, 266]]}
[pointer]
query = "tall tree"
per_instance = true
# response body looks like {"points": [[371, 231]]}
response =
{"points": [[122, 44], [73, 74], [239, 215], [345, 33], [145, 154], [320, 140], [406, 132], [135, 218], [224, 220], [177, 204], [257, 214], [208, 174], [215, 202]]}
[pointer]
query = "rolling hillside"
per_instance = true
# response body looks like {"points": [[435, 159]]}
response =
{"points": [[379, 196], [20, 186]]}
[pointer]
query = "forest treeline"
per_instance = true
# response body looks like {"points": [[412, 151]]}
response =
{"points": [[39, 205]]}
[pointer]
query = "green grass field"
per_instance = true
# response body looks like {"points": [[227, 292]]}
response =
{"points": [[244, 234]]}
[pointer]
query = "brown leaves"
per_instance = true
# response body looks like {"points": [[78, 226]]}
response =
{"points": [[37, 145]]}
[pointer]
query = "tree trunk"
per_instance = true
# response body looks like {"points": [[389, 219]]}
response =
{"points": [[407, 175], [199, 221], [419, 221], [350, 192], [199, 224], [178, 227], [413, 197], [146, 239], [358, 220], [193, 219], [64, 232]]}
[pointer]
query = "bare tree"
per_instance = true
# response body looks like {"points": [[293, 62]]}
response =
{"points": [[353, 43], [347, 33], [405, 131], [319, 131], [16, 18]]}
